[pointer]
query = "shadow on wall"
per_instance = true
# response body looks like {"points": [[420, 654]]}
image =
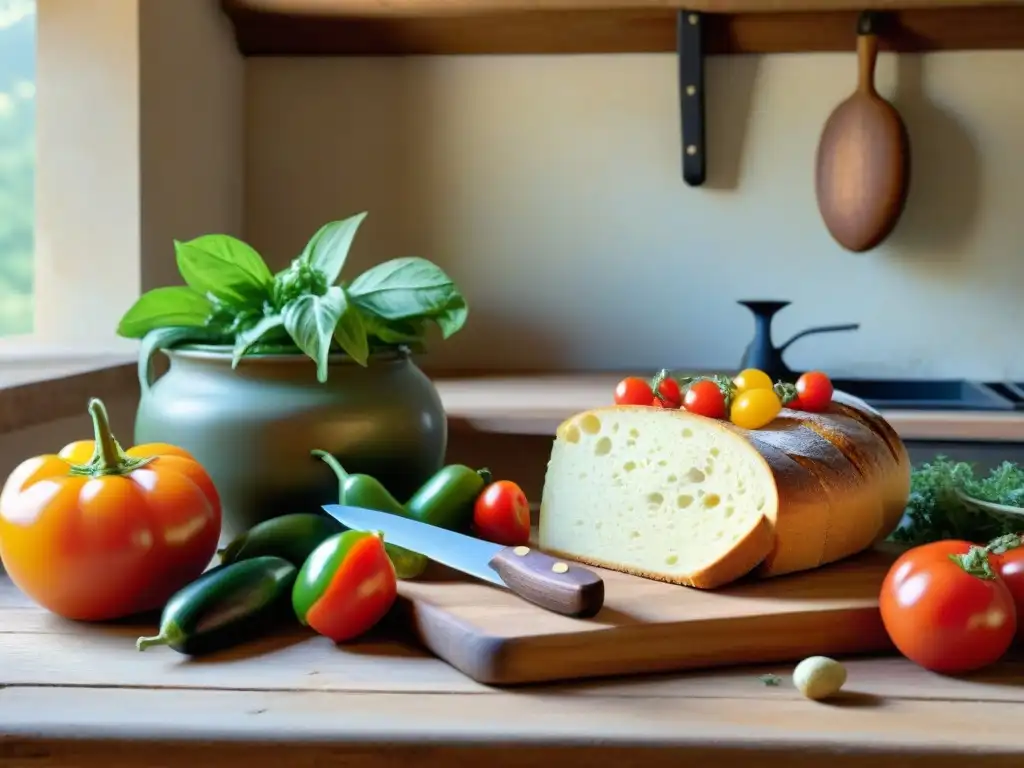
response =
{"points": [[497, 342], [729, 85], [491, 339], [945, 174], [340, 157], [367, 154]]}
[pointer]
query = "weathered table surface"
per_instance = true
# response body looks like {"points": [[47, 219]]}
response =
{"points": [[74, 695]]}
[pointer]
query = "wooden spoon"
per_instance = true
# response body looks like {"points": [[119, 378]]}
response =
{"points": [[863, 159]]}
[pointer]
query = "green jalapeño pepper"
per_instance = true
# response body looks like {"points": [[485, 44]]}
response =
{"points": [[361, 490], [293, 537], [446, 500], [346, 586], [367, 492], [227, 605]]}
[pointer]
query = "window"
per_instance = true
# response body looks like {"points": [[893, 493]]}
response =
{"points": [[17, 165], [77, 150]]}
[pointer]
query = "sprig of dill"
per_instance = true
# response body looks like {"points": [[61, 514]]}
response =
{"points": [[935, 511]]}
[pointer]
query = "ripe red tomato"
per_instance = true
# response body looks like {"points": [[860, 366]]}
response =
{"points": [[633, 390], [670, 394], [813, 392], [705, 398], [946, 608], [502, 514], [95, 532], [1009, 563]]}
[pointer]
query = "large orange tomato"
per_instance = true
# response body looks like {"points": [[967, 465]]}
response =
{"points": [[95, 532], [946, 608]]}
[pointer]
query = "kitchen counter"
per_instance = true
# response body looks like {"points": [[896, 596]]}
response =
{"points": [[525, 404], [82, 696], [536, 404]]}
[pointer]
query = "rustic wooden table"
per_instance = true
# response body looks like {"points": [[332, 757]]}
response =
{"points": [[82, 696]]}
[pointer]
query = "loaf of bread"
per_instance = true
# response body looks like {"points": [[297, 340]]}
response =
{"points": [[672, 496]]}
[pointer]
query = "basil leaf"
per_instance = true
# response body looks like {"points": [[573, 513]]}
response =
{"points": [[404, 288], [453, 316], [350, 333], [225, 267], [175, 305], [395, 331], [245, 338], [328, 248], [311, 321]]}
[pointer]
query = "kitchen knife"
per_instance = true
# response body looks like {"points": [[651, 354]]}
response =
{"points": [[565, 588]]}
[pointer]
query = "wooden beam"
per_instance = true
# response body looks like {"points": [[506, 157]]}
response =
{"points": [[435, 8], [365, 27]]}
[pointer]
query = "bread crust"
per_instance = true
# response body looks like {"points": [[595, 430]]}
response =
{"points": [[897, 472], [801, 522], [872, 460], [852, 507]]}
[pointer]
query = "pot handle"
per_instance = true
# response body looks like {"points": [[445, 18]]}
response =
{"points": [[160, 339]]}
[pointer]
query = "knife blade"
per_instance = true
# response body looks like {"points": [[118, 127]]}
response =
{"points": [[552, 584]]}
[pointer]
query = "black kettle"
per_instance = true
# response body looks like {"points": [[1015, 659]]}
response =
{"points": [[764, 355]]}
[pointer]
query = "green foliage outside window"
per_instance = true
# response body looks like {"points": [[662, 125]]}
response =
{"points": [[17, 164]]}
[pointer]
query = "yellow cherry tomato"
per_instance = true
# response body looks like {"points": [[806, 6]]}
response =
{"points": [[755, 408], [751, 378]]}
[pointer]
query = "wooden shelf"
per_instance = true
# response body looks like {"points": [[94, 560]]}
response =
{"points": [[425, 27]]}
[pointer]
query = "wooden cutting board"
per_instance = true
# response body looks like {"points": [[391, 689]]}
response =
{"points": [[647, 626]]}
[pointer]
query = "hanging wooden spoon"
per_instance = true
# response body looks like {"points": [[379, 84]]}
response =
{"points": [[863, 159]]}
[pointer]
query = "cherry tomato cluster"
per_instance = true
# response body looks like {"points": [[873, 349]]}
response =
{"points": [[749, 400], [954, 607]]}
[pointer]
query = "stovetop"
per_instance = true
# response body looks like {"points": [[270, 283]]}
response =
{"points": [[935, 394]]}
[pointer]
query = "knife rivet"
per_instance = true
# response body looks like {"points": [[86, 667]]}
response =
{"points": [[559, 567], [521, 551]]}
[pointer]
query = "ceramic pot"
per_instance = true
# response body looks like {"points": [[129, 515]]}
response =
{"points": [[253, 427]]}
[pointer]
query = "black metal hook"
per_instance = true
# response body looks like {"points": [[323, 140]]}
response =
{"points": [[690, 51]]}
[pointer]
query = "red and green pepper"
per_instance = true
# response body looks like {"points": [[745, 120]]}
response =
{"points": [[346, 586]]}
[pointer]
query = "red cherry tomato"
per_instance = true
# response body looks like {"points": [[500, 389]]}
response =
{"points": [[813, 392], [946, 608], [502, 514], [670, 394], [705, 398], [633, 391]]}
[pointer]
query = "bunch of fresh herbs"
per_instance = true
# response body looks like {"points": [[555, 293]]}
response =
{"points": [[936, 510], [230, 297]]}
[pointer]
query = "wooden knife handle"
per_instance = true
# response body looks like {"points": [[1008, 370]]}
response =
{"points": [[557, 585]]}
